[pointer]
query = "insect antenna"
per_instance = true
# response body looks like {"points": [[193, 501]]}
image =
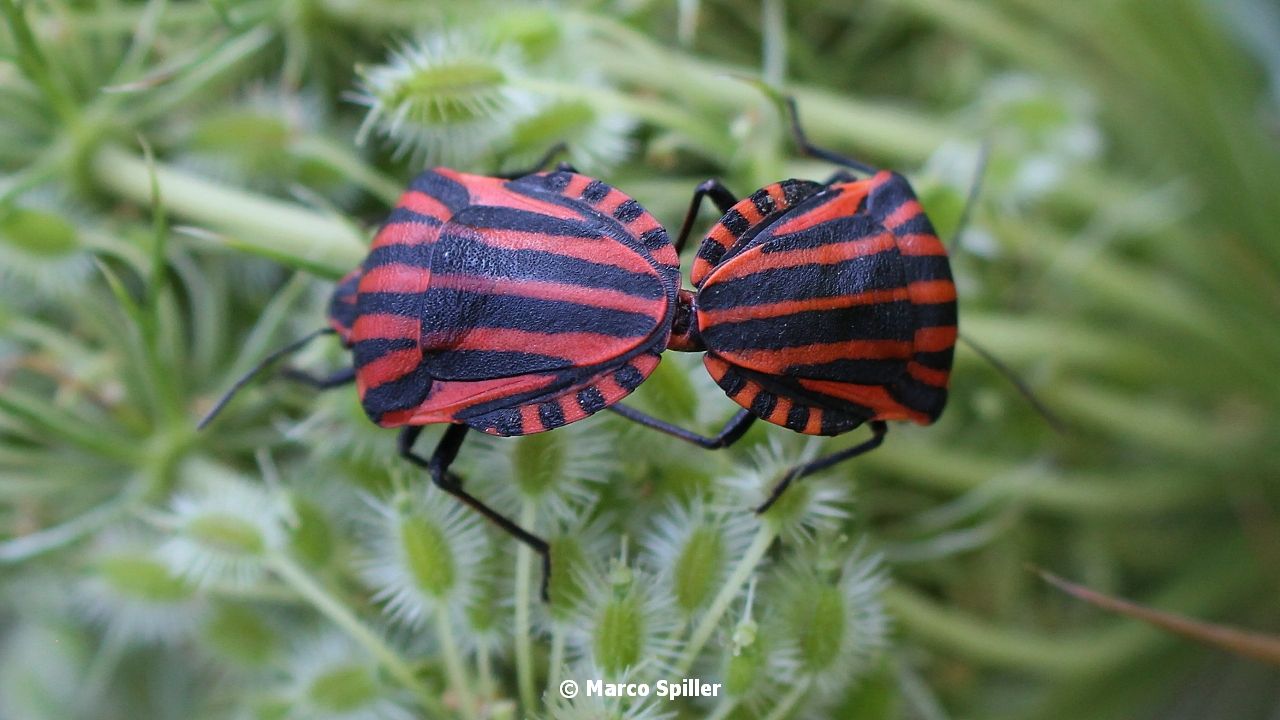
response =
{"points": [[266, 362], [975, 189], [1025, 390]]}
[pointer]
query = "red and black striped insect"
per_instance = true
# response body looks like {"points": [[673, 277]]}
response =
{"points": [[512, 305], [820, 307]]}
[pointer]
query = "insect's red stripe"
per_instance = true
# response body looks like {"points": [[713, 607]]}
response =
{"points": [[843, 203], [918, 244], [875, 397], [424, 204], [406, 233], [397, 278], [905, 212], [570, 408], [932, 291], [830, 254], [529, 420], [569, 346], [598, 250], [370, 326], [928, 375], [707, 317], [448, 398], [577, 183], [818, 353], [387, 368], [935, 339]]}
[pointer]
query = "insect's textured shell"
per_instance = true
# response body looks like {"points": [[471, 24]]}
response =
{"points": [[823, 307], [513, 306]]}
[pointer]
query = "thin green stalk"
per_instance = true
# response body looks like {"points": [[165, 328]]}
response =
{"points": [[26, 547], [524, 599], [737, 579], [726, 705], [453, 665], [267, 226], [788, 701], [342, 616], [33, 63], [557, 656]]}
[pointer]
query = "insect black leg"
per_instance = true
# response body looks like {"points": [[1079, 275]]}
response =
{"points": [[878, 429], [719, 194], [319, 382], [840, 176], [732, 431], [810, 149], [542, 163], [438, 466]]}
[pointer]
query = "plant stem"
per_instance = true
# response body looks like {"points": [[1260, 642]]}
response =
{"points": [[346, 620], [523, 629], [739, 577], [723, 708], [788, 701], [453, 665], [557, 656], [288, 232]]}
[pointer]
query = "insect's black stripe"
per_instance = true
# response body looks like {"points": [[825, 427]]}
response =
{"points": [[926, 267], [732, 382], [938, 360], [735, 223], [835, 422], [918, 396], [450, 193], [888, 196], [366, 351], [655, 239], [844, 229], [763, 404], [936, 314], [551, 415], [506, 421], [467, 254], [794, 191], [590, 400], [402, 393], [861, 372], [882, 321], [797, 417], [711, 251], [495, 217], [628, 211], [488, 364], [451, 311], [628, 377], [595, 191], [879, 271], [416, 255], [763, 202]]}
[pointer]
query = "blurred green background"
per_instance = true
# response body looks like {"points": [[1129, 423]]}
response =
{"points": [[183, 180]]}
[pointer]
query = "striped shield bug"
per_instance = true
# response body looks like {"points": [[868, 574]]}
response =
{"points": [[820, 307], [509, 304]]}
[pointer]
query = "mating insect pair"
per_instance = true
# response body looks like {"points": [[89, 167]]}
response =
{"points": [[517, 304]]}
